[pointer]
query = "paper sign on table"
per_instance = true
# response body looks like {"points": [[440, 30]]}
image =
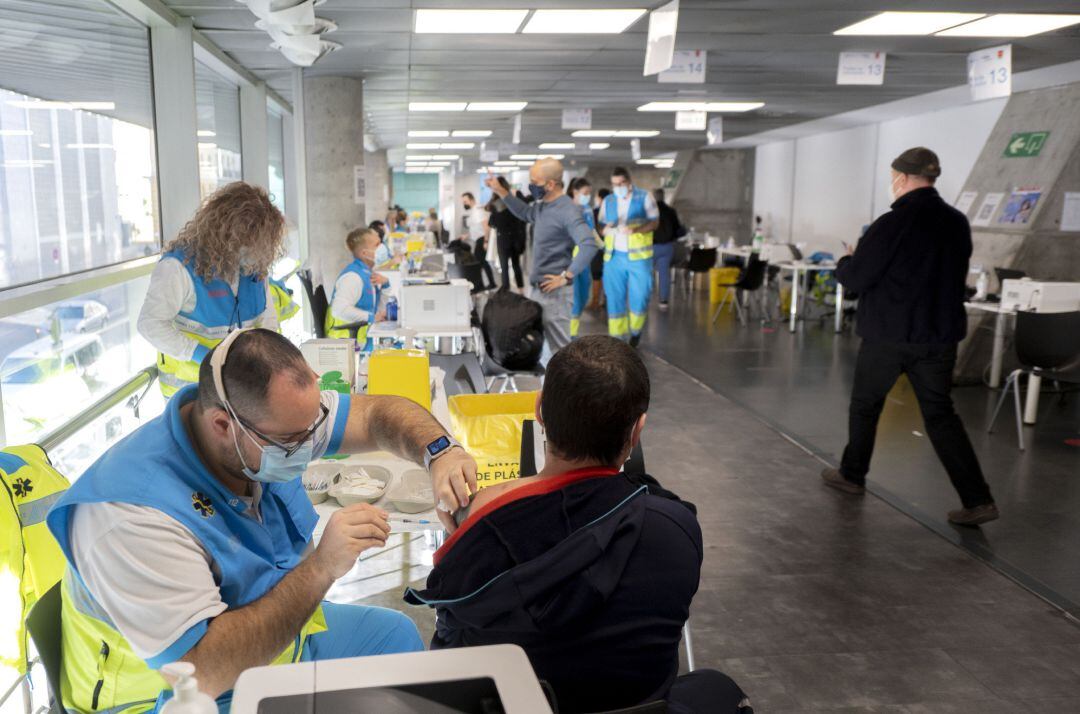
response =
{"points": [[861, 68], [687, 67], [987, 209]]}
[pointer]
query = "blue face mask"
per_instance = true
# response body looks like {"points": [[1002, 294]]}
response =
{"points": [[275, 466], [382, 254], [537, 192], [622, 191], [584, 199]]}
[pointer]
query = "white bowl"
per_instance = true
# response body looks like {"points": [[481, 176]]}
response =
{"points": [[412, 493], [357, 483]]}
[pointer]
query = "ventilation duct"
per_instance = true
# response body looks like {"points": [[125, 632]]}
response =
{"points": [[294, 29]]}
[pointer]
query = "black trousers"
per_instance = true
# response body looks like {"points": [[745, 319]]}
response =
{"points": [[929, 369], [508, 254], [480, 252]]}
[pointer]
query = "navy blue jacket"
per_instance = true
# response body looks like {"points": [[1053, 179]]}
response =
{"points": [[591, 572]]}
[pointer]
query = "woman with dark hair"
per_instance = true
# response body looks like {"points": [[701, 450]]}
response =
{"points": [[580, 192], [510, 237]]}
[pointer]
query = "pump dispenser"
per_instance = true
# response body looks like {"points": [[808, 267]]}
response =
{"points": [[187, 699]]}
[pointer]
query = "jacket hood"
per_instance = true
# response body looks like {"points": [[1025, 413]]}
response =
{"points": [[539, 561]]}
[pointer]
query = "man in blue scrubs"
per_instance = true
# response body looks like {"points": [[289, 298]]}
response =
{"points": [[191, 539]]}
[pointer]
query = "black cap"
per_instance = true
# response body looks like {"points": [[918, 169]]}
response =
{"points": [[919, 161]]}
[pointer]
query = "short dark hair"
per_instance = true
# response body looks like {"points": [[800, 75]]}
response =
{"points": [[376, 224], [918, 161], [620, 171], [578, 184], [595, 390], [603, 193], [658, 194], [468, 195], [254, 357]]}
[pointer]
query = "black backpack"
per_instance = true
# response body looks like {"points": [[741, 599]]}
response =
{"points": [[513, 328]]}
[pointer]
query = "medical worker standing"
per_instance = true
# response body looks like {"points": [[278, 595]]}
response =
{"points": [[629, 216], [211, 279], [191, 539], [356, 292], [580, 192]]}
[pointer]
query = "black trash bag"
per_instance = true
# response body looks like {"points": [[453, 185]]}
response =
{"points": [[513, 327]]}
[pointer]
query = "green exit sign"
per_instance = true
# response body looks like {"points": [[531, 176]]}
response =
{"points": [[1025, 144]]}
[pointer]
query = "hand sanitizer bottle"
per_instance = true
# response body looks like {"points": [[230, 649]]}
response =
{"points": [[187, 699]]}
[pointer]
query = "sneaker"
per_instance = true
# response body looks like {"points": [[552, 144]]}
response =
{"points": [[975, 516], [834, 479], [663, 306], [634, 340]]}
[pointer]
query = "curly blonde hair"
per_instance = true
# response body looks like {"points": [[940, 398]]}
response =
{"points": [[238, 221]]}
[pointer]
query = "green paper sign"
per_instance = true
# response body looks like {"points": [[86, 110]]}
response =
{"points": [[1025, 144]]}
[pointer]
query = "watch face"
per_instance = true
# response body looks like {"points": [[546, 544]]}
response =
{"points": [[438, 445]]}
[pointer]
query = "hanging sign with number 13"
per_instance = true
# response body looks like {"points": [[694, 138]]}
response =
{"points": [[990, 72]]}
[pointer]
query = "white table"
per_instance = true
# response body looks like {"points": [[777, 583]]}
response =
{"points": [[799, 271]]}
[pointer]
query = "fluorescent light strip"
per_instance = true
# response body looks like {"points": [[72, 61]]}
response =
{"points": [[599, 146], [593, 133], [636, 133], [700, 106], [506, 163], [1011, 25], [557, 145], [88, 146], [472, 22], [437, 106], [206, 133], [595, 22], [908, 23], [472, 133], [415, 145], [434, 134], [497, 106], [461, 145], [418, 157]]}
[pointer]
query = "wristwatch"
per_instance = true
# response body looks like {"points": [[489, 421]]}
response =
{"points": [[437, 448], [567, 276]]}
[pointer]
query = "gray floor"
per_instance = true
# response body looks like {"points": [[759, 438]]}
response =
{"points": [[812, 600]]}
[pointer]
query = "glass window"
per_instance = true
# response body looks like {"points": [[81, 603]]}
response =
{"points": [[275, 152], [77, 175], [217, 103]]}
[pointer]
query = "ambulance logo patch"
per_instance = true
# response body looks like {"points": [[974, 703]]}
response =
{"points": [[22, 487], [201, 503]]}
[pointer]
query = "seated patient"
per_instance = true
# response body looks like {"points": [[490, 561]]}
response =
{"points": [[590, 570], [357, 289]]}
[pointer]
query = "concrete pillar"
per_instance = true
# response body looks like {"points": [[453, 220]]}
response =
{"points": [[377, 171], [334, 149], [253, 137]]}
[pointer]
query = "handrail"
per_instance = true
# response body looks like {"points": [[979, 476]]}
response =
{"points": [[142, 379]]}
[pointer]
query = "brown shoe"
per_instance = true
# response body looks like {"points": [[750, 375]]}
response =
{"points": [[974, 516], [834, 479]]}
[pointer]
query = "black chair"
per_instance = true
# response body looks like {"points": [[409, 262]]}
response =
{"points": [[473, 272], [316, 300], [43, 624], [702, 260], [1048, 346], [752, 279]]}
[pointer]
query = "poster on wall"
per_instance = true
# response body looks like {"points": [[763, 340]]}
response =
{"points": [[986, 210], [1070, 212], [1020, 206], [966, 201], [687, 67], [861, 68], [359, 185], [990, 72]]}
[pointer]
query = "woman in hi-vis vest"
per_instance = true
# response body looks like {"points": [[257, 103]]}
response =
{"points": [[211, 279]]}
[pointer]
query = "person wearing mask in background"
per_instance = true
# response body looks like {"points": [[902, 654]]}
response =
{"points": [[664, 239], [211, 279], [598, 301], [509, 237], [379, 227], [357, 289], [474, 219], [580, 192], [629, 216], [910, 271], [383, 256], [558, 225]]}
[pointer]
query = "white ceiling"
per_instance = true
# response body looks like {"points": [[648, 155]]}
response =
{"points": [[781, 52]]}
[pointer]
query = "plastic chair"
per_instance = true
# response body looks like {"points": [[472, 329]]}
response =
{"points": [[702, 260], [317, 301], [43, 624], [751, 280], [1048, 346]]}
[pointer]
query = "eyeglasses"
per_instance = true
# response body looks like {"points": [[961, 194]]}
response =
{"points": [[294, 446]]}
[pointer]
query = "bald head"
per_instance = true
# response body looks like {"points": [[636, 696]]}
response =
{"points": [[547, 173]]}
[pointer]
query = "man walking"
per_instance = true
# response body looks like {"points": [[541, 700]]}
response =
{"points": [[558, 226], [909, 270], [667, 232]]}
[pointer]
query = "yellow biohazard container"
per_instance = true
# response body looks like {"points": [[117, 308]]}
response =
{"points": [[719, 280], [404, 373], [489, 427], [414, 245]]}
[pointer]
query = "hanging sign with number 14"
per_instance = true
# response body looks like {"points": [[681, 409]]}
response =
{"points": [[990, 72]]}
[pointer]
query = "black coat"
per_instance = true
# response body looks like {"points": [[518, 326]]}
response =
{"points": [[910, 272]]}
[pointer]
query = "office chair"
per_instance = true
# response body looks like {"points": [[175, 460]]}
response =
{"points": [[752, 279], [316, 299], [1048, 345], [702, 260]]}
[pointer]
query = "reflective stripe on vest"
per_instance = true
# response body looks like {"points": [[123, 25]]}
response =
{"points": [[640, 244], [369, 301], [218, 311], [284, 304], [30, 556], [251, 557]]}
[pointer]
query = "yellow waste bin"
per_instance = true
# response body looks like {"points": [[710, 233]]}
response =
{"points": [[489, 427], [719, 280], [404, 373]]}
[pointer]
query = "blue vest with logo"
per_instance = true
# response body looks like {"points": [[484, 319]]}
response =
{"points": [[589, 218], [636, 212], [217, 309], [157, 466], [369, 298]]}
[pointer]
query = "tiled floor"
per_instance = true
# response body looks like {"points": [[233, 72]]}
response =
{"points": [[812, 600]]}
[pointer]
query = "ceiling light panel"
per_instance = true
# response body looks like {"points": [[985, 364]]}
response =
{"points": [[461, 145], [636, 133], [908, 23], [599, 146], [593, 133], [418, 157], [1011, 25], [421, 145], [472, 133], [497, 106], [700, 106], [434, 134], [595, 22], [557, 145], [437, 106], [472, 22]]}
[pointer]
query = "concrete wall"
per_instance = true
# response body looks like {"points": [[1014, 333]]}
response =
{"points": [[715, 193], [334, 145], [377, 173]]}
